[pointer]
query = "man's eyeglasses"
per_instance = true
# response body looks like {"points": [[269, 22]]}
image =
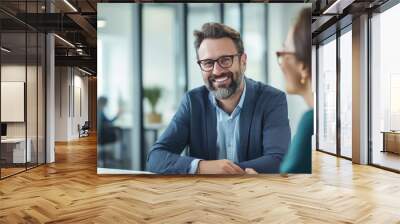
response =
{"points": [[280, 54], [224, 61]]}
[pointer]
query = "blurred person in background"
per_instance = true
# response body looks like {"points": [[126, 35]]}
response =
{"points": [[108, 135]]}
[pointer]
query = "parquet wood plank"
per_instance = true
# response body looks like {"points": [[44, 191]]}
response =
{"points": [[70, 191]]}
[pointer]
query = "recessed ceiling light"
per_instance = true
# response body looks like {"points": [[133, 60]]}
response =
{"points": [[337, 7], [84, 71], [70, 5], [5, 50], [101, 23], [64, 40]]}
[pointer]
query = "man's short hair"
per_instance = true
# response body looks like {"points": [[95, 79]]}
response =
{"points": [[216, 31]]}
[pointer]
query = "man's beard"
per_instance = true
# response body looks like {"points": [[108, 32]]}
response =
{"points": [[222, 93]]}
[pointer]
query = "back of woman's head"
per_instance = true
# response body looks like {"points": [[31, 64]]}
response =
{"points": [[302, 38]]}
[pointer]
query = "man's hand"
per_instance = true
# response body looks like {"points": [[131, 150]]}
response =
{"points": [[223, 166]]}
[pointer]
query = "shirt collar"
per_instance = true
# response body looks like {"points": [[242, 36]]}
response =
{"points": [[241, 101]]}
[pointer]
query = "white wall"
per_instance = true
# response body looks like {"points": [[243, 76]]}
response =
{"points": [[70, 83], [12, 73], [79, 117], [17, 73]]}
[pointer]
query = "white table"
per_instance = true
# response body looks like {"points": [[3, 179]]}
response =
{"points": [[118, 171], [19, 149]]}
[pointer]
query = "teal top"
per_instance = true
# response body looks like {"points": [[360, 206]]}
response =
{"points": [[298, 158]]}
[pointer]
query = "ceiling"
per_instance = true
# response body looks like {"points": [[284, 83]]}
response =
{"points": [[76, 20], [73, 21]]}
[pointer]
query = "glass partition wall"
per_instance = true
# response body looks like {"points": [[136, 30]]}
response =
{"points": [[22, 77], [334, 86], [327, 78], [334, 105], [345, 108], [13, 145]]}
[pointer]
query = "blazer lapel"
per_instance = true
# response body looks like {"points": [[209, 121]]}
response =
{"points": [[211, 128], [246, 117]]}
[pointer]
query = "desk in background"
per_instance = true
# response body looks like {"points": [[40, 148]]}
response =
{"points": [[391, 141], [154, 128], [13, 150]]}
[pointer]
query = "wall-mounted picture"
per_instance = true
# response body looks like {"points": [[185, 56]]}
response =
{"points": [[187, 88]]}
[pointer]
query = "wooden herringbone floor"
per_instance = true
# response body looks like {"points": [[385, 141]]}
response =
{"points": [[69, 191]]}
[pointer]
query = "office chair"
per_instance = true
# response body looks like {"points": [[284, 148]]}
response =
{"points": [[84, 130]]}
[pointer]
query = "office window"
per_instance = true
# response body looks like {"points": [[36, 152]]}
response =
{"points": [[254, 38], [232, 15], [346, 94], [198, 14], [385, 89], [394, 102], [327, 96], [161, 58], [118, 126], [163, 64]]}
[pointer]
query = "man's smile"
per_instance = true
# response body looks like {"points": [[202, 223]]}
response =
{"points": [[221, 81]]}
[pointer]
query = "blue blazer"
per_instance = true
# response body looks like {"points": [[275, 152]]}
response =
{"points": [[264, 132]]}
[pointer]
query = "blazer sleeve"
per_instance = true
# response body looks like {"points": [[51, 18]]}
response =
{"points": [[275, 134], [165, 155]]}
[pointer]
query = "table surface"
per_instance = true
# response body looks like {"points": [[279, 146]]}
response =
{"points": [[119, 171], [71, 191]]}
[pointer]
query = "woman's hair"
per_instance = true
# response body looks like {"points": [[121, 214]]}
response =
{"points": [[302, 37]]}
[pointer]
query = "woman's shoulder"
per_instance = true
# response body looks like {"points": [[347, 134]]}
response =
{"points": [[298, 159], [307, 118]]}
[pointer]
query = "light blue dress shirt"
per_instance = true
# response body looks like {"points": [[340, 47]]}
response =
{"points": [[227, 132]]}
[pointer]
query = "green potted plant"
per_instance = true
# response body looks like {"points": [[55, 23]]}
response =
{"points": [[153, 94]]}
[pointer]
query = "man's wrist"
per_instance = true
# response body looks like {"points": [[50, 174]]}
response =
{"points": [[194, 166], [198, 168]]}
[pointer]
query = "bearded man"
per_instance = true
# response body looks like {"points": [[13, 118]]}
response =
{"points": [[232, 124]]}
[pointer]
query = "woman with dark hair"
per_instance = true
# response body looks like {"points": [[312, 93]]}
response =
{"points": [[295, 62]]}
